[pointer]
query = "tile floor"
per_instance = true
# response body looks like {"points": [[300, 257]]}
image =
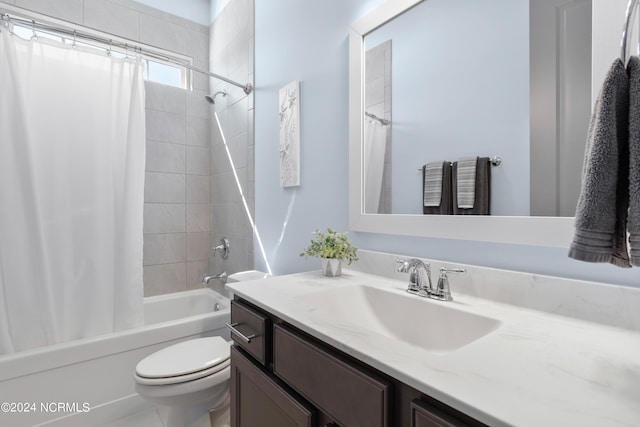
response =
{"points": [[146, 418]]}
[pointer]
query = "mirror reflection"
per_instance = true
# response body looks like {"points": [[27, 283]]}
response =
{"points": [[452, 80]]}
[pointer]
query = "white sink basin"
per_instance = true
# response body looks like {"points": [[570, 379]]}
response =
{"points": [[431, 325]]}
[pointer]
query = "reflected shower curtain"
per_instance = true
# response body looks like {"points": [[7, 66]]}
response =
{"points": [[72, 154], [375, 142]]}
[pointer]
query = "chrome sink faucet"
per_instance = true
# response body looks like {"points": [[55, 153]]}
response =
{"points": [[420, 279], [419, 276]]}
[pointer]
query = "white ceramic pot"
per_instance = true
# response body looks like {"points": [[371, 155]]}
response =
{"points": [[331, 266]]}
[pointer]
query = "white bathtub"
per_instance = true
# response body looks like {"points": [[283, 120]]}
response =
{"points": [[58, 383]]}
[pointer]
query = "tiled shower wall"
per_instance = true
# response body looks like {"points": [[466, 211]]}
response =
{"points": [[231, 53], [177, 189]]}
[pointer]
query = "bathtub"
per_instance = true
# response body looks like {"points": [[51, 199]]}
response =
{"points": [[90, 381]]}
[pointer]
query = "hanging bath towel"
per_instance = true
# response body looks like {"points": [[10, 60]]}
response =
{"points": [[472, 186], [601, 214], [633, 69], [436, 188]]}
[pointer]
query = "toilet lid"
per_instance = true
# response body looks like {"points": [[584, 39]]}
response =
{"points": [[185, 358]]}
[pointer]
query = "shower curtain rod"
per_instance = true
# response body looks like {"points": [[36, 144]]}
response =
{"points": [[383, 122], [247, 87]]}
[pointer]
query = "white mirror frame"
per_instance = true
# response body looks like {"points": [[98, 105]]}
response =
{"points": [[539, 231]]}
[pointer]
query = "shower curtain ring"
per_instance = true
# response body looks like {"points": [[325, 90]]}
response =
{"points": [[109, 49], [34, 37], [73, 45]]}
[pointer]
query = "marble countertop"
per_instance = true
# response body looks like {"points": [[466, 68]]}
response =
{"points": [[536, 369]]}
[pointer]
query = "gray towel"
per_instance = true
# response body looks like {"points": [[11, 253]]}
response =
{"points": [[466, 182], [444, 206], [601, 214], [633, 226], [432, 185], [482, 189]]}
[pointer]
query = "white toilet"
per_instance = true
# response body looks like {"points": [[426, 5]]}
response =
{"points": [[192, 377], [189, 379]]}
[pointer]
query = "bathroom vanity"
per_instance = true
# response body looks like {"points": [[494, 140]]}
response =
{"points": [[298, 380], [358, 350]]}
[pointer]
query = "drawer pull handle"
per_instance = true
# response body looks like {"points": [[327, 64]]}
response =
{"points": [[244, 337]]}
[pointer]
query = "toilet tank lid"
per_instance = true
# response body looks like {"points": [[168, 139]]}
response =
{"points": [[243, 276], [184, 358]]}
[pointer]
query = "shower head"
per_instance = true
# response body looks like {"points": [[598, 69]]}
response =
{"points": [[211, 99]]}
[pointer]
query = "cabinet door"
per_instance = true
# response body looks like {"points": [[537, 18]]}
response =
{"points": [[257, 400], [351, 396], [424, 415]]}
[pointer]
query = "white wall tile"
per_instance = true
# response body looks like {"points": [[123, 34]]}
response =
{"points": [[112, 18], [198, 161], [164, 278], [231, 44], [231, 218], [161, 33], [160, 187], [164, 218], [198, 131], [166, 157], [68, 10], [165, 248], [197, 106], [198, 246], [197, 44], [219, 160], [238, 149], [165, 98], [224, 188], [198, 189], [165, 127], [198, 217], [237, 119], [200, 80]]}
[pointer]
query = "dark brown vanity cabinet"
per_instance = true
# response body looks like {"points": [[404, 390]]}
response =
{"points": [[258, 400], [283, 377]]}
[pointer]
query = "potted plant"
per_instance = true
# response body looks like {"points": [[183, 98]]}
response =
{"points": [[332, 248]]}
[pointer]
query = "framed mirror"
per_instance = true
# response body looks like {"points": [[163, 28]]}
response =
{"points": [[511, 228]]}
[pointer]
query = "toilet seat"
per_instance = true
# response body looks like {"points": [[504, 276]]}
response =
{"points": [[186, 361]]}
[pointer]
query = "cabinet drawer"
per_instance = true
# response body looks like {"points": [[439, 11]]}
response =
{"points": [[258, 400], [424, 415], [253, 324], [325, 380]]}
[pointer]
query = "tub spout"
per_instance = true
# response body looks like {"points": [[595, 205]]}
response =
{"points": [[222, 276]]}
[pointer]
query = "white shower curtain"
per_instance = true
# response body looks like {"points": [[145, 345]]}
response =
{"points": [[72, 154], [375, 143]]}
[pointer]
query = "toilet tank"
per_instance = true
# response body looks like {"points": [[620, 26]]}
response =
{"points": [[243, 276]]}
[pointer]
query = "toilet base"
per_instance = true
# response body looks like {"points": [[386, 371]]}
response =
{"points": [[192, 409], [221, 416], [200, 415]]}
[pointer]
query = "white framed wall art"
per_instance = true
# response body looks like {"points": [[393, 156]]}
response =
{"points": [[290, 135]]}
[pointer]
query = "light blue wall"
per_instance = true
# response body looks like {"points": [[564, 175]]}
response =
{"points": [[307, 41]]}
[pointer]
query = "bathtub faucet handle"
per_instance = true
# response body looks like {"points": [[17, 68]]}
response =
{"points": [[223, 248]]}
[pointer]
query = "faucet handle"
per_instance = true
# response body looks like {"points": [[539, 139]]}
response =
{"points": [[443, 292], [445, 270]]}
